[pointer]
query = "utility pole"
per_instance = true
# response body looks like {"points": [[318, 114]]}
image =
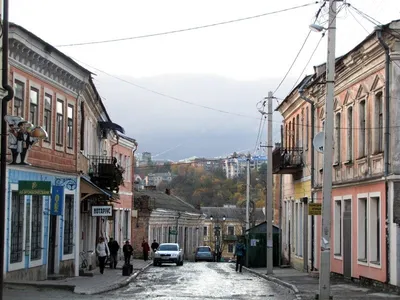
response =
{"points": [[248, 194], [269, 198], [325, 268]]}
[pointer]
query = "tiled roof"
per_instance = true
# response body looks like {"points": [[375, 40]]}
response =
{"points": [[232, 212], [161, 200]]}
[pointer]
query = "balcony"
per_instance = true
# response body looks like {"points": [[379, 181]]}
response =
{"points": [[287, 161], [106, 173]]}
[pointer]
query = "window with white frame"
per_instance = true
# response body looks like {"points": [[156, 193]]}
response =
{"points": [[362, 230], [205, 231], [362, 151], [17, 227], [378, 123], [33, 105], [48, 104], [126, 224], [338, 228], [70, 126], [307, 129], [350, 134], [69, 224], [374, 230], [337, 148], [231, 230], [36, 227], [19, 96], [60, 122]]}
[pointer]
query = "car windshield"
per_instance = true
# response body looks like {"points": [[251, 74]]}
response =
{"points": [[168, 248], [203, 249]]}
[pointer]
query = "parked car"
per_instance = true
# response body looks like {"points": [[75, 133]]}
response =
{"points": [[203, 253], [168, 253]]}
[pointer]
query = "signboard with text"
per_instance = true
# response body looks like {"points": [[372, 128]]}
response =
{"points": [[102, 211], [57, 201], [34, 187], [314, 209]]}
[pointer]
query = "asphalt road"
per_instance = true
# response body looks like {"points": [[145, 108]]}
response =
{"points": [[194, 281]]}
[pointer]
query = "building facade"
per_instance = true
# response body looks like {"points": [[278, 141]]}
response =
{"points": [[364, 206]]}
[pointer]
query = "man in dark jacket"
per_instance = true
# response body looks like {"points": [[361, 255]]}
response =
{"points": [[114, 247], [128, 251], [154, 246], [240, 251]]}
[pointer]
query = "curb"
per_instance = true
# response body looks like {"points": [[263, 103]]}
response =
{"points": [[114, 286], [277, 281], [68, 287]]}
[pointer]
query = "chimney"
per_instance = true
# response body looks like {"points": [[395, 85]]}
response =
{"points": [[168, 191]]}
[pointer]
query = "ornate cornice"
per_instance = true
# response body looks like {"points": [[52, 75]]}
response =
{"points": [[29, 60]]}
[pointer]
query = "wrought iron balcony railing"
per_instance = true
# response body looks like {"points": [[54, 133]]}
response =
{"points": [[105, 172], [287, 160]]}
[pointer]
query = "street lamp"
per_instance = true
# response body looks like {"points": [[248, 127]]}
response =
{"points": [[325, 264], [217, 235]]}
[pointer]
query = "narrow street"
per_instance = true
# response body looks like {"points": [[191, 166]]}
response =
{"points": [[193, 281]]}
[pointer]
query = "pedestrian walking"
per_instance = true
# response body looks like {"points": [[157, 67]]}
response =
{"points": [[146, 249], [154, 247], [114, 247], [128, 251], [240, 251], [102, 253]]}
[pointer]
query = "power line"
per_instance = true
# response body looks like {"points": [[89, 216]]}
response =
{"points": [[188, 29], [165, 95]]}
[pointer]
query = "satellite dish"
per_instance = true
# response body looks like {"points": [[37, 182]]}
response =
{"points": [[318, 142]]}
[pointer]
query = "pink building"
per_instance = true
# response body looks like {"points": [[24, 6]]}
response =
{"points": [[366, 168]]}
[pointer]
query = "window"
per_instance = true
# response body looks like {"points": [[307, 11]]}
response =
{"points": [[362, 229], [243, 230], [362, 134], [374, 230], [307, 128], [83, 126], [19, 91], [33, 106], [126, 225], [378, 120], [205, 231], [231, 230], [298, 131], [299, 229], [286, 137], [230, 248], [338, 228], [47, 114], [350, 134], [337, 148], [36, 230], [17, 227], [70, 127], [60, 122], [294, 136], [69, 224]]}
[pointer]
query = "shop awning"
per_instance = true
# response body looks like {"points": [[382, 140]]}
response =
{"points": [[88, 188]]}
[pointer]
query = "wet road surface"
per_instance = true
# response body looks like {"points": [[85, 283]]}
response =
{"points": [[194, 281]]}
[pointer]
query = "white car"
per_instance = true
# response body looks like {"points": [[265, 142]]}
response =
{"points": [[168, 253]]}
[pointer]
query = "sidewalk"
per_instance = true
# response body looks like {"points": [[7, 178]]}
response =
{"points": [[306, 287], [111, 279]]}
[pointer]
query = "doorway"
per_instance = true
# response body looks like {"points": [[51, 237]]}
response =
{"points": [[52, 245], [347, 239]]}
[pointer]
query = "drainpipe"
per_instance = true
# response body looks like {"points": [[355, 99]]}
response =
{"points": [[379, 30], [177, 223], [3, 147], [280, 206], [112, 147], [301, 92]]}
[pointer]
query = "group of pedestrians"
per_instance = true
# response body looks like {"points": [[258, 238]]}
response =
{"points": [[104, 250]]}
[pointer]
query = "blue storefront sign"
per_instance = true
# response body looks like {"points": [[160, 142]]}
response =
{"points": [[57, 198]]}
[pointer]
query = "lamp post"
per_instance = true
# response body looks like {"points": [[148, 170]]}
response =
{"points": [[217, 235], [324, 278]]}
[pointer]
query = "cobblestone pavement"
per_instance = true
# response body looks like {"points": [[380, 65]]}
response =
{"points": [[195, 281]]}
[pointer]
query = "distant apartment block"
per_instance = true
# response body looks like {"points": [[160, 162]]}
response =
{"points": [[235, 167], [154, 179]]}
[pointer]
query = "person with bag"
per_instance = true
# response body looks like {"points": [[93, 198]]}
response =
{"points": [[240, 251], [128, 251], [102, 253], [114, 247], [146, 249]]}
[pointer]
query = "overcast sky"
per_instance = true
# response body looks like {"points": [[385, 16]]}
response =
{"points": [[228, 67]]}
